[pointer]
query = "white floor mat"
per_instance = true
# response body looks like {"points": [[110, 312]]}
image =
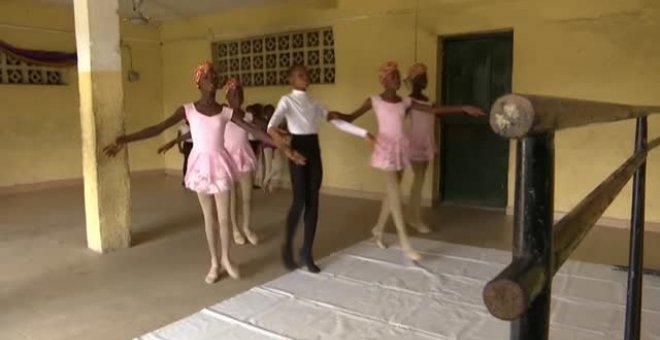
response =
{"points": [[369, 293]]}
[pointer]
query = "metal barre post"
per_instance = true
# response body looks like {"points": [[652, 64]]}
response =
{"points": [[636, 257], [508, 295]]}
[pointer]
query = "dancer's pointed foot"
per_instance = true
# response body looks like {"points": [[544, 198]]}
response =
{"points": [[252, 237], [213, 275], [413, 254], [378, 237], [231, 270], [421, 227], [238, 238]]}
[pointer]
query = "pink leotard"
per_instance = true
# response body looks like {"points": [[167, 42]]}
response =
{"points": [[237, 143], [211, 169], [422, 134], [392, 149]]}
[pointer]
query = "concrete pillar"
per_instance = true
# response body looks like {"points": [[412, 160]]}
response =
{"points": [[107, 187]]}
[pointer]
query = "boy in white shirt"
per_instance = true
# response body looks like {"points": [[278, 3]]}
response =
{"points": [[302, 114]]}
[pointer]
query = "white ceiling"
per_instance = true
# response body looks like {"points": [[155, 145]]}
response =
{"points": [[168, 9]]}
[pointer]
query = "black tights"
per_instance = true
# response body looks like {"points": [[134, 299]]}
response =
{"points": [[306, 182]]}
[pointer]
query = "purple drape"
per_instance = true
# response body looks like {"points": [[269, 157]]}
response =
{"points": [[44, 58]]}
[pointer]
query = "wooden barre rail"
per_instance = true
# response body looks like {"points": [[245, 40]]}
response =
{"points": [[508, 296], [520, 115], [571, 230]]}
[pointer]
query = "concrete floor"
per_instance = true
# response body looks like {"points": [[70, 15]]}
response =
{"points": [[52, 287]]}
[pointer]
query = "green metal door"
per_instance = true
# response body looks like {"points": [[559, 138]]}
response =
{"points": [[474, 161]]}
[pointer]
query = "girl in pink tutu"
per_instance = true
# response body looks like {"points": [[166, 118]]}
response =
{"points": [[211, 170], [238, 145], [391, 153], [423, 146]]}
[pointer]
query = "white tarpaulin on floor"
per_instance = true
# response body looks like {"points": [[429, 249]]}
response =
{"points": [[369, 293]]}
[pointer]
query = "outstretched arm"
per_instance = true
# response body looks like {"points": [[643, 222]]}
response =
{"points": [[366, 106], [237, 118], [351, 128], [341, 121], [266, 138], [149, 132], [177, 141], [278, 135], [443, 110]]}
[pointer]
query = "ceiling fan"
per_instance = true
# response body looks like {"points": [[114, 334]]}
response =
{"points": [[137, 17]]}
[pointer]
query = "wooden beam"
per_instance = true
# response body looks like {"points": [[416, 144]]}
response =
{"points": [[571, 230]]}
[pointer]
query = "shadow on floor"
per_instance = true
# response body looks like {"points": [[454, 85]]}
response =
{"points": [[163, 229]]}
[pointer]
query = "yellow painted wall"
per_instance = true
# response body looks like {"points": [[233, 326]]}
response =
{"points": [[595, 49], [40, 125]]}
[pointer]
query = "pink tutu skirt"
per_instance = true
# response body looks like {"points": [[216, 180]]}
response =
{"points": [[422, 148], [243, 157], [210, 172], [391, 153]]}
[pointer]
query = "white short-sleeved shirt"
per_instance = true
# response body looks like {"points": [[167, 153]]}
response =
{"points": [[301, 112]]}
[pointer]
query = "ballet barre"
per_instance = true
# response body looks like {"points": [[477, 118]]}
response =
{"points": [[521, 115], [521, 293]]}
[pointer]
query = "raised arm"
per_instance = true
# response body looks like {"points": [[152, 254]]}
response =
{"points": [[443, 110], [148, 132], [366, 106]]}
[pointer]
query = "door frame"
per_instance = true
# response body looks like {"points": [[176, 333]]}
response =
{"points": [[439, 164]]}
